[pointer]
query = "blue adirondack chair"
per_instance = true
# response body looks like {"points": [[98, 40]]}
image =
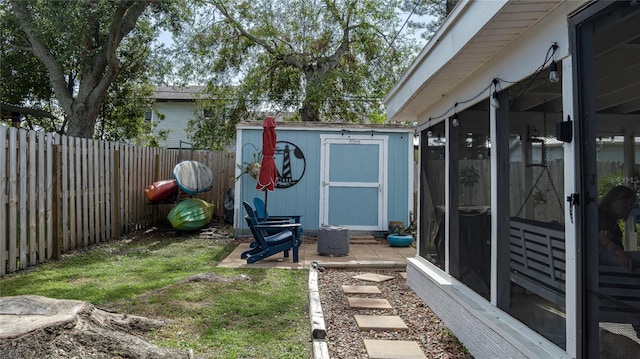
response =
{"points": [[266, 231], [263, 215], [287, 237]]}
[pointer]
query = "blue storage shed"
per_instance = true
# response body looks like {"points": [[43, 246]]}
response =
{"points": [[354, 175]]}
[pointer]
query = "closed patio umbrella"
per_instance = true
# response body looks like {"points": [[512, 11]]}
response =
{"points": [[268, 173]]}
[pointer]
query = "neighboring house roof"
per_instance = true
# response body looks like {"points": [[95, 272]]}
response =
{"points": [[174, 93], [7, 109]]}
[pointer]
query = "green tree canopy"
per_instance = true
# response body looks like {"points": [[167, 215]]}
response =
{"points": [[83, 47], [436, 11], [321, 60]]}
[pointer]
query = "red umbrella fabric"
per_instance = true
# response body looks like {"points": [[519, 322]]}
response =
{"points": [[268, 173]]}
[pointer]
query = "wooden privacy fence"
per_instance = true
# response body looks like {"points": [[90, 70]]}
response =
{"points": [[61, 193]]}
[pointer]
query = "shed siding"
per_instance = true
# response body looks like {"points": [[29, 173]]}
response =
{"points": [[304, 197]]}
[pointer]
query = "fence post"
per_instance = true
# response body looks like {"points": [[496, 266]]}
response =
{"points": [[116, 194], [156, 177], [56, 250]]}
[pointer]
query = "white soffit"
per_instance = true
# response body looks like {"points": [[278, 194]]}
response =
{"points": [[468, 38]]}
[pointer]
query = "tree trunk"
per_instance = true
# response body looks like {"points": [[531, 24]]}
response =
{"points": [[308, 113], [82, 119], [41, 327], [309, 110]]}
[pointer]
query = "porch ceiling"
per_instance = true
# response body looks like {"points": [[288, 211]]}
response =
{"points": [[617, 80], [511, 21]]}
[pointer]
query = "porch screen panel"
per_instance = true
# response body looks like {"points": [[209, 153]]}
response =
{"points": [[432, 166], [536, 211], [612, 147], [473, 184]]}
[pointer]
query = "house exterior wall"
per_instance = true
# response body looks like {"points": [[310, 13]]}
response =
{"points": [[176, 117], [304, 197]]}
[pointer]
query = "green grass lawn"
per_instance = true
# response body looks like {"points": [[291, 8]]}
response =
{"points": [[243, 313]]}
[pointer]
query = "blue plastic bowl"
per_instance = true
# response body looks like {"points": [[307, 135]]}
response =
{"points": [[399, 241]]}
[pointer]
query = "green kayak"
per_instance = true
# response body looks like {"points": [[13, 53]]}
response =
{"points": [[190, 214]]}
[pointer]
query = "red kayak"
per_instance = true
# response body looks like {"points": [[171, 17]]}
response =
{"points": [[161, 190]]}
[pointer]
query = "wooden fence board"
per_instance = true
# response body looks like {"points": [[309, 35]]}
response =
{"points": [[32, 177], [23, 226], [109, 155], [125, 187], [72, 194], [64, 192], [106, 158], [119, 193], [78, 193], [13, 199], [93, 194], [41, 198], [3, 198], [85, 193], [48, 213], [101, 188], [56, 199]]}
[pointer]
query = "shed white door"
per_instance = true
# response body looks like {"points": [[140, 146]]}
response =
{"points": [[353, 177]]}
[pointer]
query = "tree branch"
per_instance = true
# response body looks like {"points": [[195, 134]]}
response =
{"points": [[20, 48], [43, 53], [124, 22], [331, 62], [243, 31], [287, 59]]}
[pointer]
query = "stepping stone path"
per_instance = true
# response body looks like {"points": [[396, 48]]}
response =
{"points": [[361, 289], [372, 277], [380, 349], [368, 303]]}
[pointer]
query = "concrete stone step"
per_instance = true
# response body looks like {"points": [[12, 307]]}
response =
{"points": [[368, 303], [361, 289], [365, 239], [393, 349], [373, 277], [380, 322]]}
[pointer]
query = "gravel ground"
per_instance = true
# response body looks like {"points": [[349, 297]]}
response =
{"points": [[344, 339]]}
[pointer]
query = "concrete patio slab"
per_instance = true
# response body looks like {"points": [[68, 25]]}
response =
{"points": [[380, 322], [393, 349], [368, 303], [361, 289], [360, 256]]}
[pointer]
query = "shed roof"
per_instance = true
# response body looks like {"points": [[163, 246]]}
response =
{"points": [[333, 126]]}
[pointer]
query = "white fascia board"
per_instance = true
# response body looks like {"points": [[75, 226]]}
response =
{"points": [[467, 19]]}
